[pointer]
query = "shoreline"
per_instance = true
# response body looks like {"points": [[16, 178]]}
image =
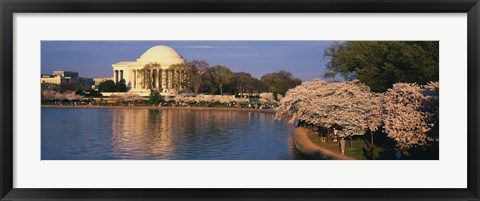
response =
{"points": [[161, 108]]}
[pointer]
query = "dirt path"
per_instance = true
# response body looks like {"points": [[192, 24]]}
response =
{"points": [[313, 151]]}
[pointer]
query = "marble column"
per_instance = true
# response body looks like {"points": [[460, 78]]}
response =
{"points": [[144, 72], [167, 77], [182, 73], [162, 80], [150, 81], [173, 79], [115, 75], [147, 72], [133, 79], [138, 78], [157, 80]]}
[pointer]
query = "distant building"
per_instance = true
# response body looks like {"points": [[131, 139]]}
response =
{"points": [[88, 82], [52, 79], [71, 75], [60, 77]]}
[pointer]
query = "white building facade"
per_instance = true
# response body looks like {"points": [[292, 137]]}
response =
{"points": [[151, 71]]}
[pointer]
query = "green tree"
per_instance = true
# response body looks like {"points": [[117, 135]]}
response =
{"points": [[69, 86], [221, 75], [93, 93], [146, 73], [107, 86], [182, 76], [279, 82], [380, 64], [121, 86], [198, 69], [50, 87], [241, 81], [255, 86], [207, 84], [155, 98]]}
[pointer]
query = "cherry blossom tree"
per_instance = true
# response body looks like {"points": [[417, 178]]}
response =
{"points": [[409, 114], [228, 99], [431, 90], [208, 99], [72, 96], [279, 97], [134, 98], [49, 95], [117, 98], [59, 96], [349, 106], [267, 97]]}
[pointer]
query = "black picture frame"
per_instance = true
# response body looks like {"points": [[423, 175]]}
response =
{"points": [[10, 7]]}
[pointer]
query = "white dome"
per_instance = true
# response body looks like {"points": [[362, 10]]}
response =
{"points": [[161, 54]]}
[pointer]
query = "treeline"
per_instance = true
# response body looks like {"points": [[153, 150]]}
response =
{"points": [[68, 88], [380, 64], [110, 86], [199, 77], [64, 87]]}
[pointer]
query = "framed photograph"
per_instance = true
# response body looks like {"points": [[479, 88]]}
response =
{"points": [[237, 100]]}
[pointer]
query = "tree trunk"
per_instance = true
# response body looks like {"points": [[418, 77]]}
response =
{"points": [[342, 145], [350, 141], [220, 86], [371, 138]]}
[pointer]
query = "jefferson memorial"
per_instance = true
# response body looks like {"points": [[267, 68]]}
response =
{"points": [[152, 71]]}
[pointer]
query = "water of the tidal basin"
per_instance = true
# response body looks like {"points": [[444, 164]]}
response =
{"points": [[178, 134]]}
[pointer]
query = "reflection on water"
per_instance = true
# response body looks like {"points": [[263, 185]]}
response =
{"points": [[94, 134]]}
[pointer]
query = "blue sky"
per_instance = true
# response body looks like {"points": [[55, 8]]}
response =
{"points": [[304, 59]]}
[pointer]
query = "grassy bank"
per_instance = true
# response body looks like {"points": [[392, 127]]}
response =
{"points": [[383, 148], [358, 150]]}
